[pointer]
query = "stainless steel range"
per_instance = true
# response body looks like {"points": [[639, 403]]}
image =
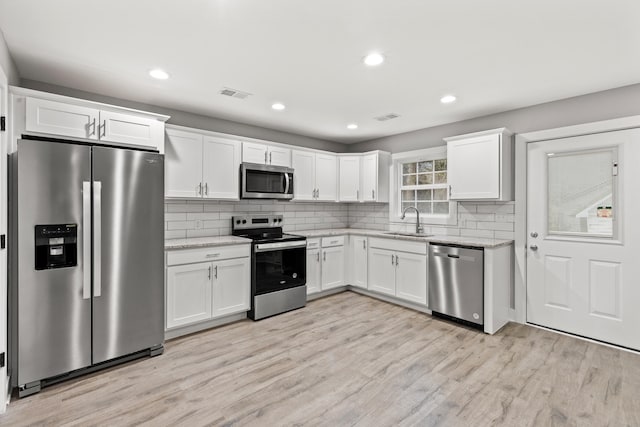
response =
{"points": [[278, 265]]}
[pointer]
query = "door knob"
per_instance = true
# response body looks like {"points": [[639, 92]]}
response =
{"points": [[533, 247], [534, 234]]}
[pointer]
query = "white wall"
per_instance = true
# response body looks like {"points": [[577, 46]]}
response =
{"points": [[7, 64]]}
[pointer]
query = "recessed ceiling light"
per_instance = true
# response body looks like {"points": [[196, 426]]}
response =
{"points": [[373, 59], [278, 106], [352, 126], [159, 74], [448, 99]]}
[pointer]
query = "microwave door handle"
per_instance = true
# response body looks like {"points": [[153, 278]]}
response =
{"points": [[286, 183]]}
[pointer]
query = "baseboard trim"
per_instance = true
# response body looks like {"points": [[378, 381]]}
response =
{"points": [[208, 324], [389, 299]]}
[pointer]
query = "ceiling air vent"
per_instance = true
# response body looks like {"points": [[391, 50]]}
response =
{"points": [[387, 117], [234, 93]]}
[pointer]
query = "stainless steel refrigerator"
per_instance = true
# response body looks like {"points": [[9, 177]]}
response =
{"points": [[87, 256]]}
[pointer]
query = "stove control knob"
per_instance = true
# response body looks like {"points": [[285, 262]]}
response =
{"points": [[237, 221], [279, 219], [244, 221]]}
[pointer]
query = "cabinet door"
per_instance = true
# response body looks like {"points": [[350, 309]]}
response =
{"points": [[188, 294], [183, 164], [411, 277], [304, 172], [369, 178], [130, 129], [313, 271], [279, 156], [349, 179], [220, 168], [474, 168], [231, 286], [359, 261], [326, 177], [332, 267], [57, 118], [254, 153], [382, 271]]}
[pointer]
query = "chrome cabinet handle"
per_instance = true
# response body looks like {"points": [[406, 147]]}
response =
{"points": [[533, 247], [397, 258], [317, 193], [324, 256], [97, 238], [209, 270], [364, 244], [449, 191], [392, 260], [357, 194], [265, 156], [216, 272], [200, 189], [318, 257], [373, 194], [104, 129], [270, 155], [92, 125], [86, 239]]}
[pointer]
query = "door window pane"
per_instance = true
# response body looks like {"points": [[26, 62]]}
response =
{"points": [[581, 193]]}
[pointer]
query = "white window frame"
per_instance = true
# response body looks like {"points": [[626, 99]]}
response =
{"points": [[397, 160]]}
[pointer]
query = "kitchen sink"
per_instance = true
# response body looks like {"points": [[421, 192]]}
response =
{"points": [[406, 234]]}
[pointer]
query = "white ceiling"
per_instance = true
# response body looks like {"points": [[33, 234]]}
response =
{"points": [[493, 55]]}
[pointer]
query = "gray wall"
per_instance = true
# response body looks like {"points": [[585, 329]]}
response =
{"points": [[7, 64], [197, 121], [609, 104]]}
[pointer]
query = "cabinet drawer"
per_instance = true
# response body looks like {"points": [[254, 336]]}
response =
{"points": [[313, 243], [328, 242], [188, 256], [399, 245]]}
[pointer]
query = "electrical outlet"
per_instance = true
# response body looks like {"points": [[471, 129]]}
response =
{"points": [[198, 224]]}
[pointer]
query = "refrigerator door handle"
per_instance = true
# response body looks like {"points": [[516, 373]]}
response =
{"points": [[86, 240], [97, 238]]}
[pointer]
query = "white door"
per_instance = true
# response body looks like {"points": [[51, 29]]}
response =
{"points": [[359, 261], [332, 267], [584, 236], [220, 168], [474, 168], [279, 156], [58, 118], [4, 143], [313, 271], [369, 179], [411, 277], [326, 177], [382, 271], [304, 173], [183, 164], [231, 286], [349, 181], [130, 129], [188, 294], [254, 153]]}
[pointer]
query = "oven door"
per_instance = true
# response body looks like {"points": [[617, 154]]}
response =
{"points": [[266, 181], [278, 266]]}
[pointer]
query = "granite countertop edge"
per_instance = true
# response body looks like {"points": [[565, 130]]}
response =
{"points": [[204, 242]]}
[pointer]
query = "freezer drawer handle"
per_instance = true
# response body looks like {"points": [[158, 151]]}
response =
{"points": [[86, 240], [97, 238]]}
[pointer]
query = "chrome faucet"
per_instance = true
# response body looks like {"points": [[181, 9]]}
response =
{"points": [[404, 212]]}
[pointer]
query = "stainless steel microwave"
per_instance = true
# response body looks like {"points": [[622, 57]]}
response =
{"points": [[265, 181]]}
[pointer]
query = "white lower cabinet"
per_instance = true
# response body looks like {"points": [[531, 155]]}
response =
{"points": [[188, 294], [398, 268], [358, 261], [325, 263], [200, 290]]}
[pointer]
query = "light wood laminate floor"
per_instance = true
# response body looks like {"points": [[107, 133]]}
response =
{"points": [[351, 360]]}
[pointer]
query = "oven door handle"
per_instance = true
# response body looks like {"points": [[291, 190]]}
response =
{"points": [[270, 247]]}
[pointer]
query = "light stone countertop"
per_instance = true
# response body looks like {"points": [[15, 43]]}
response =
{"points": [[452, 240], [203, 242]]}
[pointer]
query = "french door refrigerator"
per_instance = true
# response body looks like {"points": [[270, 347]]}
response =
{"points": [[87, 283]]}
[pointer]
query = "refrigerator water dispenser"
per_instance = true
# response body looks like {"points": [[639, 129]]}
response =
{"points": [[56, 246]]}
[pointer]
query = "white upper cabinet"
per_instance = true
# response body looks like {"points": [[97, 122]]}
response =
{"points": [[220, 168], [201, 166], [183, 164], [349, 178], [304, 175], [93, 121], [374, 177], [480, 166], [263, 154], [315, 176]]}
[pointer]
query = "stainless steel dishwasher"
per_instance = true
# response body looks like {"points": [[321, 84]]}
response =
{"points": [[456, 283]]}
